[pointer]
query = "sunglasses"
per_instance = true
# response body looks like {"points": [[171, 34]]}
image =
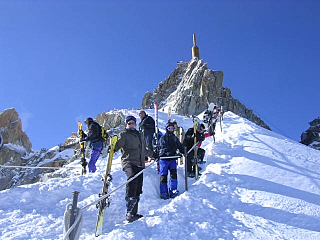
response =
{"points": [[131, 123]]}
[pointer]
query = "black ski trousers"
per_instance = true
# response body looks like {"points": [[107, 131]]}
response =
{"points": [[190, 159], [134, 188]]}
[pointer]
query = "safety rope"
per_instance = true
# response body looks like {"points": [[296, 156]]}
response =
{"points": [[108, 194], [4, 166], [264, 118], [79, 216]]}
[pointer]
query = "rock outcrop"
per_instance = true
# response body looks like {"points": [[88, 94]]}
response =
{"points": [[311, 137], [191, 87], [11, 129], [17, 151]]}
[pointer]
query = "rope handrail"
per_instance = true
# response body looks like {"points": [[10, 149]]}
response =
{"points": [[108, 194], [79, 215], [4, 166]]}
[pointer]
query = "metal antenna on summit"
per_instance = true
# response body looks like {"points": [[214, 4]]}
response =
{"points": [[195, 49]]}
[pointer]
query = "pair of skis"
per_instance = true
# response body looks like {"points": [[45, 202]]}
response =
{"points": [[103, 204], [195, 150], [82, 149]]}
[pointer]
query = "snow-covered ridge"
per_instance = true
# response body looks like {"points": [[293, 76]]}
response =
{"points": [[256, 184]]}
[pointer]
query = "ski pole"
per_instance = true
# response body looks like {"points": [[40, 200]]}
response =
{"points": [[185, 169], [192, 147], [169, 157]]}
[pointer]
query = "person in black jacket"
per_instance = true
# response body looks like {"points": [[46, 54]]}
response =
{"points": [[95, 139], [189, 143], [147, 128], [168, 145]]}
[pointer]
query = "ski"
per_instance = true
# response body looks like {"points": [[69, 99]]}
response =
{"points": [[103, 204], [195, 150], [156, 115], [221, 117], [169, 113], [82, 149]]}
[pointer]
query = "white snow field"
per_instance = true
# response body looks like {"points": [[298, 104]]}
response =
{"points": [[255, 184]]}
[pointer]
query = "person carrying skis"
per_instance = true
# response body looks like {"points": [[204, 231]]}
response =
{"points": [[178, 131], [168, 145], [133, 152], [147, 128], [95, 139], [189, 143], [211, 118]]}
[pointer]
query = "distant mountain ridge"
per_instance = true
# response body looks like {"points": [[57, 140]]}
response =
{"points": [[191, 87]]}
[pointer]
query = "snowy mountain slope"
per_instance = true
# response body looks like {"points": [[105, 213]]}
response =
{"points": [[255, 185]]}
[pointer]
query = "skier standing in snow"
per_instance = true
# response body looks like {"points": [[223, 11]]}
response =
{"points": [[132, 148], [147, 128], [95, 139], [189, 142], [168, 145]]}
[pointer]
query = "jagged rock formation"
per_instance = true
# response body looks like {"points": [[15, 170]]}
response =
{"points": [[11, 129], [113, 122], [311, 137], [17, 151], [191, 87]]}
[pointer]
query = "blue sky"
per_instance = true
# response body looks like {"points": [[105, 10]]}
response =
{"points": [[62, 61]]}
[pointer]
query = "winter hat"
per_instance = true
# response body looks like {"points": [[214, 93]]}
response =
{"points": [[88, 120], [129, 118], [169, 124], [199, 126]]}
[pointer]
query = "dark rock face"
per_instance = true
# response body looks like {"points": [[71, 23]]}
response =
{"points": [[191, 87], [11, 129], [16, 151], [311, 137]]}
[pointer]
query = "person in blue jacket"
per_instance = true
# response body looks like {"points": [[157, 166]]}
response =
{"points": [[168, 145], [95, 139]]}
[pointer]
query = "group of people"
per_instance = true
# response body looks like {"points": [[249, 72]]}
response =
{"points": [[137, 146]]}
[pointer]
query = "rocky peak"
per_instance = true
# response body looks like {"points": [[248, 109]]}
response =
{"points": [[311, 137], [11, 129], [191, 87]]}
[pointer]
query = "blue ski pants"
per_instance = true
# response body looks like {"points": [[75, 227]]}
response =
{"points": [[165, 166], [95, 153]]}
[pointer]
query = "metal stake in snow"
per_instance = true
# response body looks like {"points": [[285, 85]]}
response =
{"points": [[73, 219], [74, 211]]}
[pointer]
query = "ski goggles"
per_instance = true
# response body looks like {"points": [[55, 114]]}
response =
{"points": [[131, 123], [169, 128]]}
